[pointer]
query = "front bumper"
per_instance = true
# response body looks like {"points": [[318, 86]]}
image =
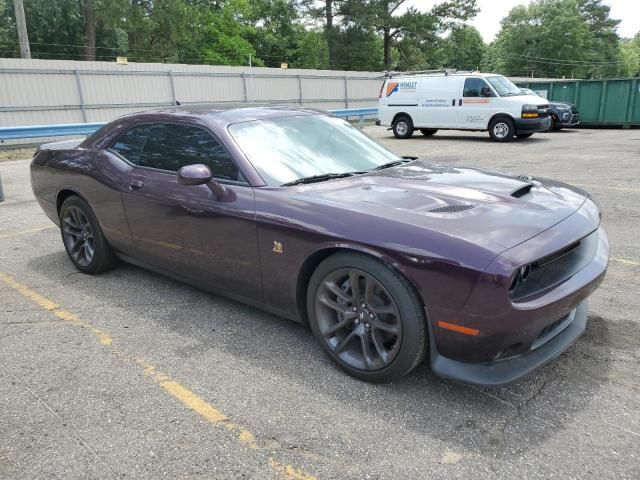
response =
{"points": [[532, 125], [491, 374], [514, 336], [572, 121]]}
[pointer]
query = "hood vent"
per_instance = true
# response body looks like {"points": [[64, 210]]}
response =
{"points": [[452, 209], [521, 192]]}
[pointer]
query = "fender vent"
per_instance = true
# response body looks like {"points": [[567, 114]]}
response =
{"points": [[451, 209]]}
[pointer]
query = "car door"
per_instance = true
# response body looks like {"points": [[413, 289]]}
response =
{"points": [[476, 107], [188, 229]]}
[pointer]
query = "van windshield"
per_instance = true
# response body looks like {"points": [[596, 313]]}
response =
{"points": [[503, 86]]}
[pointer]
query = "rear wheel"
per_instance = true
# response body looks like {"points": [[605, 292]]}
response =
{"points": [[502, 129], [523, 135], [367, 317], [403, 127], [427, 132], [82, 237]]}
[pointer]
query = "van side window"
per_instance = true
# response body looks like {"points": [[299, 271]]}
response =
{"points": [[473, 86]]}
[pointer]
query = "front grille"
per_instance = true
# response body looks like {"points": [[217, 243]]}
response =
{"points": [[551, 270]]}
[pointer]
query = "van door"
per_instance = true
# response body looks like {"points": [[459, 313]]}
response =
{"points": [[477, 104], [438, 104]]}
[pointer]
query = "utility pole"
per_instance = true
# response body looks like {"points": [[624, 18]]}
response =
{"points": [[21, 25]]}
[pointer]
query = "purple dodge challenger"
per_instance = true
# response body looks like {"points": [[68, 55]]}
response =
{"points": [[387, 258]]}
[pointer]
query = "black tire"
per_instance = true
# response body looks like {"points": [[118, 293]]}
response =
{"points": [[502, 129], [427, 132], [403, 127], [83, 238], [367, 337], [523, 135], [554, 124]]}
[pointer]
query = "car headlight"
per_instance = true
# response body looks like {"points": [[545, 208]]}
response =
{"points": [[566, 115], [529, 111], [520, 275]]}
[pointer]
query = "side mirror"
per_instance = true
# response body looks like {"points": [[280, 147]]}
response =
{"points": [[199, 174], [486, 92], [194, 175]]}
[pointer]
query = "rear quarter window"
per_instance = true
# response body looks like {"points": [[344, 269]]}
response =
{"points": [[131, 144]]}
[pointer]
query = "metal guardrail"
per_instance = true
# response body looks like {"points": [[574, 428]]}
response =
{"points": [[36, 131], [40, 131]]}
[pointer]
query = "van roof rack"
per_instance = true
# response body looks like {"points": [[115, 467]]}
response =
{"points": [[441, 71]]}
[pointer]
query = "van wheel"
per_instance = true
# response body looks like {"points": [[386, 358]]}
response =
{"points": [[403, 127], [502, 129], [427, 132]]}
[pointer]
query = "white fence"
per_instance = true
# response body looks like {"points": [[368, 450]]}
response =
{"points": [[42, 92]]}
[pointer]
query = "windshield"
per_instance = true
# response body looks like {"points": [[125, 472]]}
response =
{"points": [[286, 149], [503, 86]]}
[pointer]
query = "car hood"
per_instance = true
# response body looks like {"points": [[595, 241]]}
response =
{"points": [[484, 207], [529, 99]]}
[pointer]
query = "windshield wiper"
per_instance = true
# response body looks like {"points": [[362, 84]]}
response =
{"points": [[394, 163], [318, 178]]}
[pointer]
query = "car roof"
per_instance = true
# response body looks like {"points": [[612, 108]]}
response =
{"points": [[442, 75], [231, 112]]}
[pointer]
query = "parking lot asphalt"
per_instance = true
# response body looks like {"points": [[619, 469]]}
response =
{"points": [[133, 375]]}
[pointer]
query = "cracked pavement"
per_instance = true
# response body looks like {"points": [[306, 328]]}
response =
{"points": [[73, 407]]}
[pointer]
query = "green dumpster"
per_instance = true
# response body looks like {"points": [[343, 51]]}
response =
{"points": [[608, 102]]}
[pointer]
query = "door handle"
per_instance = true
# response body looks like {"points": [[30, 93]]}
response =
{"points": [[460, 102], [135, 184], [453, 102]]}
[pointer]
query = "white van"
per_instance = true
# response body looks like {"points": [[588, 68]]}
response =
{"points": [[460, 101]]}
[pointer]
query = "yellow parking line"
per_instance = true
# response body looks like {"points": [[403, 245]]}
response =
{"points": [[6, 235], [626, 262], [625, 189], [187, 397]]}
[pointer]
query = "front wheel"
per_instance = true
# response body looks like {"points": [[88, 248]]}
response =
{"points": [[367, 317], [502, 129], [82, 237], [403, 127]]}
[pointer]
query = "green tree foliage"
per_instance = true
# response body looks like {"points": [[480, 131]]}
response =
{"points": [[558, 38], [630, 56], [546, 38], [411, 37], [463, 48]]}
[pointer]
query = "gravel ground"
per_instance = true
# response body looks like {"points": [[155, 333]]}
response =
{"points": [[131, 374]]}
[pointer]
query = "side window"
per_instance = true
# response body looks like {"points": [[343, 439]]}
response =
{"points": [[172, 146], [130, 144], [473, 87]]}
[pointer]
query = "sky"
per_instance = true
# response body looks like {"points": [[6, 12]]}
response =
{"points": [[492, 11]]}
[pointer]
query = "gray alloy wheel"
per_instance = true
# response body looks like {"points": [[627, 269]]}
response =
{"points": [[501, 129], [82, 237], [78, 236], [403, 127], [366, 317]]}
